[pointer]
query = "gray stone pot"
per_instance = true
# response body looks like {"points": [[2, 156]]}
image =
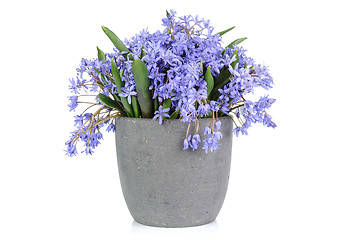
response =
{"points": [[165, 186]]}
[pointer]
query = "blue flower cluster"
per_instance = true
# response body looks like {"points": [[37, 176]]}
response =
{"points": [[177, 60]]}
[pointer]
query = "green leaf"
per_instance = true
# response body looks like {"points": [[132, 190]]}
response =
{"points": [[101, 76], [209, 79], [96, 70], [215, 93], [135, 106], [233, 64], [142, 83], [116, 75], [104, 78], [209, 115], [107, 101], [223, 78], [101, 55], [156, 104], [201, 66], [223, 75], [115, 40], [225, 31], [167, 104], [116, 97], [236, 42], [143, 53], [119, 83], [174, 115]]}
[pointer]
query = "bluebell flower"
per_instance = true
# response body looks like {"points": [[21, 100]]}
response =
{"points": [[74, 86], [214, 106], [78, 122], [264, 103], [98, 64], [234, 70], [267, 121], [87, 116], [207, 131], [217, 135], [187, 142], [111, 87], [237, 112], [237, 130], [204, 109], [224, 107], [71, 149], [88, 150], [93, 140], [73, 102], [111, 128], [210, 144], [99, 135], [160, 113], [196, 139], [217, 125], [128, 93]]}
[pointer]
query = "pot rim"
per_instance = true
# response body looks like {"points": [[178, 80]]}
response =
{"points": [[165, 120]]}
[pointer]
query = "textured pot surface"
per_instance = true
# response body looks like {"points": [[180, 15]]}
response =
{"points": [[165, 186]]}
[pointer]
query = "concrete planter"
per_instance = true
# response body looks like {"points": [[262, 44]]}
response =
{"points": [[165, 186]]}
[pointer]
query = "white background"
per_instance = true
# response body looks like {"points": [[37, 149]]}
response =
{"points": [[299, 181]]}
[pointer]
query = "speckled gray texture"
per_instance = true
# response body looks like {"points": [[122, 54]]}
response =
{"points": [[165, 186]]}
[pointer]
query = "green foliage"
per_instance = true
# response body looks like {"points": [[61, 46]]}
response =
{"points": [[209, 79], [115, 40], [107, 101], [101, 55], [201, 66], [156, 104], [167, 104], [226, 31], [223, 78], [143, 53], [175, 114], [142, 83], [119, 83], [135, 106], [236, 42]]}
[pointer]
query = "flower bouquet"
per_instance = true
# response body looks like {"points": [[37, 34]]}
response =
{"points": [[181, 72]]}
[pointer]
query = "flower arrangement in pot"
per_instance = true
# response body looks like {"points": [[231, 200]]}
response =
{"points": [[174, 98]]}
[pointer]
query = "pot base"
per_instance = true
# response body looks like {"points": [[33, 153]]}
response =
{"points": [[166, 225]]}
